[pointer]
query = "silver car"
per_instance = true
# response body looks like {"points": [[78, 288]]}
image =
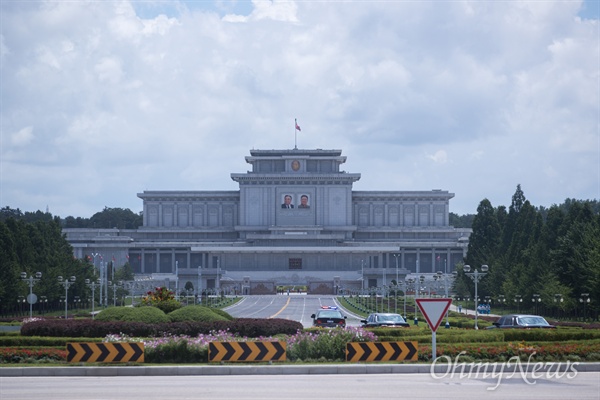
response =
{"points": [[521, 321], [385, 319]]}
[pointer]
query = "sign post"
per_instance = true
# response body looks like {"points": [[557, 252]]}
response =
{"points": [[433, 310]]}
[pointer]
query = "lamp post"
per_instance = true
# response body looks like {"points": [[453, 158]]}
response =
{"points": [[66, 284], [502, 300], [31, 280], [417, 289], [43, 304], [536, 299], [20, 301], [93, 285], [407, 283], [584, 299], [199, 287], [476, 276], [518, 299], [176, 280], [445, 276], [558, 299], [114, 286], [396, 256], [362, 273]]}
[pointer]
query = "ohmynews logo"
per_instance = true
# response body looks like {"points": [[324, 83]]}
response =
{"points": [[443, 367]]}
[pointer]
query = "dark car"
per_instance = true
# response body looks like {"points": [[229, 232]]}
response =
{"points": [[385, 319], [521, 321], [329, 317]]}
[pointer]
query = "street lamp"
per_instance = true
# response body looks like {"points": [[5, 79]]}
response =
{"points": [[31, 280], [518, 299], [93, 285], [43, 304], [396, 256], [558, 299], [114, 285], [536, 299], [407, 283], [362, 273], [199, 287], [66, 284], [476, 276], [584, 299], [20, 301], [417, 289], [501, 300], [445, 276]]}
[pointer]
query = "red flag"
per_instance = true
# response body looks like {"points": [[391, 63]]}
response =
{"points": [[297, 126]]}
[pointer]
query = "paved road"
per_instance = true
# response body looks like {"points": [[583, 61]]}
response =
{"points": [[293, 307], [584, 385]]}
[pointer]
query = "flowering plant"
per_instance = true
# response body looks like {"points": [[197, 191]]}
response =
{"points": [[159, 294]]}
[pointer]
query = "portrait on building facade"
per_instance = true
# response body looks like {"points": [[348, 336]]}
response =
{"points": [[295, 165], [287, 201], [304, 201]]}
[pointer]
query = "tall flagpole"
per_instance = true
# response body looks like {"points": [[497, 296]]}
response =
{"points": [[296, 129]]}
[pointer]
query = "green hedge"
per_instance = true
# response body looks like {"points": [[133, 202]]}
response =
{"points": [[149, 315], [42, 341], [249, 327], [485, 335], [198, 313]]}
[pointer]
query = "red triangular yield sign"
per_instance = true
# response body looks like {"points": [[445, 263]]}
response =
{"points": [[434, 310]]}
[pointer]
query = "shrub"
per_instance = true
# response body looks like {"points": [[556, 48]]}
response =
{"points": [[196, 313], [149, 315], [167, 306], [114, 314], [222, 313], [248, 327]]}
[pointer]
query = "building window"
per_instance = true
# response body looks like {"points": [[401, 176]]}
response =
{"points": [[295, 263]]}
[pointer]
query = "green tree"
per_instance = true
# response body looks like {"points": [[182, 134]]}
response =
{"points": [[116, 218]]}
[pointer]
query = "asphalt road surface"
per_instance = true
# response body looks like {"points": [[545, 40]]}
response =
{"points": [[294, 307], [582, 386]]}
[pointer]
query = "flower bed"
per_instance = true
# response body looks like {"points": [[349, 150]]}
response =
{"points": [[323, 345], [18, 355], [544, 351]]}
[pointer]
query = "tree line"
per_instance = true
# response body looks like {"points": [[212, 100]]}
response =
{"points": [[108, 218], [40, 246], [551, 255]]}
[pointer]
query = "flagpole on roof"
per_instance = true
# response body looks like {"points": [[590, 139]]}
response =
{"points": [[296, 129]]}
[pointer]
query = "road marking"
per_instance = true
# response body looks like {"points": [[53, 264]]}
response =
{"points": [[283, 308]]}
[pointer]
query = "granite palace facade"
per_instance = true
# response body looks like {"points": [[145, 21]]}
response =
{"points": [[295, 221]]}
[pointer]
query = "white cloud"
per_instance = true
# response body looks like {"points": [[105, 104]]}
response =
{"points": [[22, 137], [471, 97], [276, 10], [439, 157]]}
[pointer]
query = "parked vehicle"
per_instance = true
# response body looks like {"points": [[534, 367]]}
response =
{"points": [[329, 317], [385, 319], [521, 321]]}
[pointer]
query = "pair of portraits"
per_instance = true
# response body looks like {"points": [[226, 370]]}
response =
{"points": [[301, 201]]}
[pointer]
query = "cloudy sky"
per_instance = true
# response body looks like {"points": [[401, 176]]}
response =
{"points": [[101, 100]]}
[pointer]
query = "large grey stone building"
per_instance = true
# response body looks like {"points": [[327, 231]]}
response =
{"points": [[295, 220]]}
